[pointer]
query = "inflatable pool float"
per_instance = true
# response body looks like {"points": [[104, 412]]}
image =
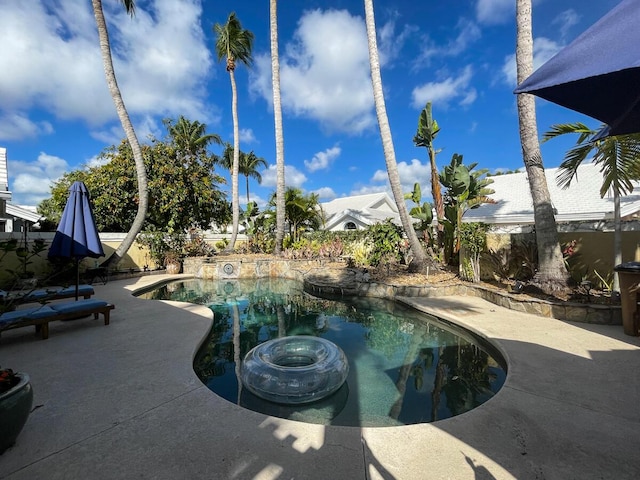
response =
{"points": [[294, 370]]}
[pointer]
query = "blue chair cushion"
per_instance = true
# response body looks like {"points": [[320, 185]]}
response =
{"points": [[82, 290], [17, 316], [80, 305]]}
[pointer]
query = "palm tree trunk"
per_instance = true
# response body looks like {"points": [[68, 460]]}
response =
{"points": [[247, 177], [617, 238], [130, 133], [235, 198], [419, 256], [436, 191], [552, 273], [277, 114]]}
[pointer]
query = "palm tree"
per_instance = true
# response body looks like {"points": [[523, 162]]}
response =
{"points": [[235, 44], [302, 212], [427, 130], [127, 126], [552, 273], [248, 164], [189, 137], [419, 257], [277, 114], [619, 160]]}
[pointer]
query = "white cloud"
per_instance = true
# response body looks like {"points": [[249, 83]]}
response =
{"points": [[16, 126], [495, 12], [566, 20], [160, 58], [325, 193], [292, 177], [322, 160], [444, 91], [367, 189], [32, 180], [468, 33], [390, 44], [414, 172], [543, 50], [247, 135], [324, 72], [409, 173]]}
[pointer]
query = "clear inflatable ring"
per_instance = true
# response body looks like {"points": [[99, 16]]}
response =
{"points": [[294, 370]]}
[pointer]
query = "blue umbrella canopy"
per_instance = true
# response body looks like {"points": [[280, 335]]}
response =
{"points": [[77, 236], [598, 74]]}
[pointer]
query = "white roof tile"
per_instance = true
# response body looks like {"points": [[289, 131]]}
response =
{"points": [[580, 202]]}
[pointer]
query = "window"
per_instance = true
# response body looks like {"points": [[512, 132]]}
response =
{"points": [[350, 226]]}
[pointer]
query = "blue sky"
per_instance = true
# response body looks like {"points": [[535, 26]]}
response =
{"points": [[56, 114]]}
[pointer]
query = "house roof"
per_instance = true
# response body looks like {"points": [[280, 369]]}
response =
{"points": [[22, 213], [580, 202], [367, 209]]}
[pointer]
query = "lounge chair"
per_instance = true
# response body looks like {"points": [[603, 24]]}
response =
{"points": [[41, 316], [45, 294]]}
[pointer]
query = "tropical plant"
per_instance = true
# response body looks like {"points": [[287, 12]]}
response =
{"points": [[466, 189], [552, 274], [428, 128], [234, 44], [141, 175], [302, 212], [248, 166], [190, 137], [279, 136], [184, 189], [422, 212], [473, 238], [386, 240], [163, 248], [619, 160], [420, 258]]}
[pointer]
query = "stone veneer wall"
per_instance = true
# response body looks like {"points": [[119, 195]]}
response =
{"points": [[318, 280]]}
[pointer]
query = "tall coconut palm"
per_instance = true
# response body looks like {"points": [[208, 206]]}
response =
{"points": [[619, 160], [190, 138], [277, 114], [552, 273], [419, 256], [234, 44], [127, 126], [248, 164], [428, 128]]}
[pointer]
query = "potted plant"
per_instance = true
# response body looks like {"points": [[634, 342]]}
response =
{"points": [[172, 261], [16, 398]]}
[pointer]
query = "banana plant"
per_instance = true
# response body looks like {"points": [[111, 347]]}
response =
{"points": [[423, 212], [428, 128], [466, 189]]}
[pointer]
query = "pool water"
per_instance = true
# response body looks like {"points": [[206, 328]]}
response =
{"points": [[405, 367]]}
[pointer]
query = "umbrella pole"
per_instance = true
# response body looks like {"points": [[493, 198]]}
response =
{"points": [[77, 277]]}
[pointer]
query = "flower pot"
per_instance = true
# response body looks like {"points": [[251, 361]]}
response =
{"points": [[173, 268], [15, 406]]}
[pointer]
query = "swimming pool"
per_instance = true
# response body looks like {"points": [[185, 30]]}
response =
{"points": [[405, 367]]}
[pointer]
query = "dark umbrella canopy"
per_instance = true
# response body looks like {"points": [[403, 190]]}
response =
{"points": [[77, 236], [598, 74]]}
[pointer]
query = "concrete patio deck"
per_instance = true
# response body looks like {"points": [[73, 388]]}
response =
{"points": [[122, 401]]}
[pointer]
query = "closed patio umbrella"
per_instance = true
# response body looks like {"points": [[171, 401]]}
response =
{"points": [[77, 236], [598, 74]]}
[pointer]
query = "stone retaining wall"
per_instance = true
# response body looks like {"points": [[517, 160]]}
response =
{"points": [[349, 282]]}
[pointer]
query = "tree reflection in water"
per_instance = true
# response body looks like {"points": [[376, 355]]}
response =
{"points": [[405, 367]]}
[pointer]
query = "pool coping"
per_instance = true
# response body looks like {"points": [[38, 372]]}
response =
{"points": [[122, 400]]}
